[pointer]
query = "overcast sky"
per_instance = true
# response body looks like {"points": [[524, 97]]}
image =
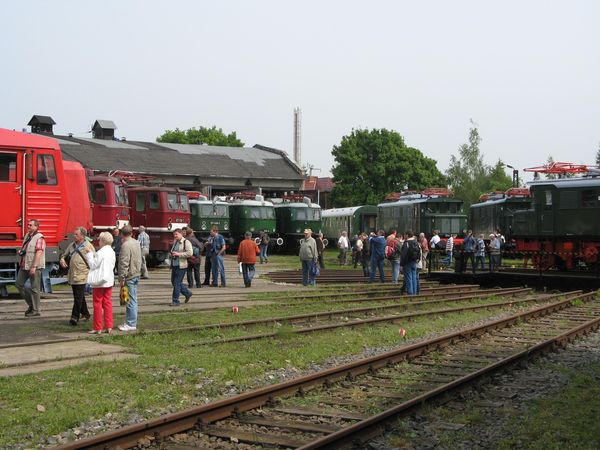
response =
{"points": [[527, 72]]}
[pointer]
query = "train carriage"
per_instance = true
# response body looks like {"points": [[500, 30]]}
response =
{"points": [[295, 213], [207, 213], [432, 209], [354, 220], [161, 210], [110, 203]]}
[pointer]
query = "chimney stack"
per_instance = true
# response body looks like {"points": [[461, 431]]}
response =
{"points": [[298, 136], [104, 129], [41, 124]]}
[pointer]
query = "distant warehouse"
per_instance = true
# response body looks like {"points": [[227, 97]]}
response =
{"points": [[209, 169]]}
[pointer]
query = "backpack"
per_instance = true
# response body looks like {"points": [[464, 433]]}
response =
{"points": [[441, 245], [390, 250], [414, 251]]}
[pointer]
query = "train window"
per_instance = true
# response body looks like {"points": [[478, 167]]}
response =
{"points": [[46, 172], [589, 199], [316, 214], [548, 199], [140, 198], [172, 201], [301, 214], [120, 196], [568, 200], [99, 193], [154, 200], [221, 210], [8, 167], [183, 202], [268, 213]]}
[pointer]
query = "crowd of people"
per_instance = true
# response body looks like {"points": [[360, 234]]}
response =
{"points": [[122, 258]]}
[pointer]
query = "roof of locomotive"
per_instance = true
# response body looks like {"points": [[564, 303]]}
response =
{"points": [[247, 202], [12, 138], [339, 212], [563, 183], [502, 200], [195, 201], [418, 198]]}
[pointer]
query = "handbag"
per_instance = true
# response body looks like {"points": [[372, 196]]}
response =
{"points": [[314, 269], [124, 295], [193, 260]]}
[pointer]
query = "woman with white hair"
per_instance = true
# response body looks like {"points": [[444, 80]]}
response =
{"points": [[102, 279]]}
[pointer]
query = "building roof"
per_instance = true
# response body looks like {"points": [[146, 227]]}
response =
{"points": [[321, 184], [162, 159], [41, 120], [104, 124]]}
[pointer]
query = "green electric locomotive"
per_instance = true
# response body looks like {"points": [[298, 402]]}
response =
{"points": [[496, 211], [294, 214], [423, 212], [251, 212], [206, 213], [353, 219]]}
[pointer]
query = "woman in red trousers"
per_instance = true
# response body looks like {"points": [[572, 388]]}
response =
{"points": [[102, 279]]}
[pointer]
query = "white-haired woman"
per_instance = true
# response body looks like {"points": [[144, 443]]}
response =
{"points": [[102, 279]]}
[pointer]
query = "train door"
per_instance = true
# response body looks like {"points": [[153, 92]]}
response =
{"points": [[368, 223], [11, 193], [547, 212], [140, 209]]}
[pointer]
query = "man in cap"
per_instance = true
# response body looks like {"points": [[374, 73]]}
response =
{"points": [[308, 256]]}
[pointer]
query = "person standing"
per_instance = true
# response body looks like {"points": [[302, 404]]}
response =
{"points": [[130, 268], [218, 252], [180, 252], [79, 254], [208, 248], [144, 241], [343, 245], [357, 251], [411, 253], [468, 251], [116, 245], [102, 279], [365, 255], [377, 243], [264, 246], [193, 270], [495, 246], [449, 249], [396, 244], [33, 260], [480, 253], [246, 255], [308, 256], [424, 250], [320, 250], [434, 256]]}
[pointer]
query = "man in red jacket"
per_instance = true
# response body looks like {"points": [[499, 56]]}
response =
{"points": [[247, 256]]}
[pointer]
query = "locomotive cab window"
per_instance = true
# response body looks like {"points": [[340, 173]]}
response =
{"points": [[120, 195], [99, 193], [154, 200], [46, 172], [172, 202], [183, 202], [8, 167]]}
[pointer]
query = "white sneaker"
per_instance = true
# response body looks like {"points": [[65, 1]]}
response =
{"points": [[126, 327]]}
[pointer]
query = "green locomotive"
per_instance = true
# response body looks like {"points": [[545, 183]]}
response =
{"points": [[354, 220], [496, 211], [206, 213], [250, 212], [294, 213], [560, 230], [423, 212]]}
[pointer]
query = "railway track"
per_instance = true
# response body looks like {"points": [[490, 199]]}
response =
{"points": [[327, 276], [349, 404]]}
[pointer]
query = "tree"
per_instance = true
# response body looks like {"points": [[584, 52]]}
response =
{"points": [[598, 155], [369, 164], [201, 135], [469, 177]]}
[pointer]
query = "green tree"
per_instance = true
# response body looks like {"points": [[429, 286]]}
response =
{"points": [[201, 135], [369, 164], [469, 177]]}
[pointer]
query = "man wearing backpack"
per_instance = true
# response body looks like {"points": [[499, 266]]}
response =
{"points": [[410, 255], [393, 249]]}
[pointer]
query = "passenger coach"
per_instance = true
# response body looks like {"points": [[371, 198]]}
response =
{"points": [[353, 219]]}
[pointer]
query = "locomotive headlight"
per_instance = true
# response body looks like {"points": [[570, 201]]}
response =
{"points": [[226, 226], [297, 230], [169, 225], [252, 229]]}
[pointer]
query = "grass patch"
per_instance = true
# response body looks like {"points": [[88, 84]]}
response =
{"points": [[170, 373]]}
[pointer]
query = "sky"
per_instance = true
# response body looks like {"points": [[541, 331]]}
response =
{"points": [[527, 73]]}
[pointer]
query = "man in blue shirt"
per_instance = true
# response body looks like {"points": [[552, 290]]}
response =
{"points": [[377, 244], [468, 251], [217, 258]]}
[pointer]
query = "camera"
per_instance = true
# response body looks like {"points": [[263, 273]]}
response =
{"points": [[21, 252]]}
